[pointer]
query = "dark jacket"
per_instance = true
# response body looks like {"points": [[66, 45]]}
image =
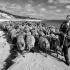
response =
{"points": [[64, 28]]}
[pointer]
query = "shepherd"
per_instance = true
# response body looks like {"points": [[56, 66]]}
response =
{"points": [[65, 38]]}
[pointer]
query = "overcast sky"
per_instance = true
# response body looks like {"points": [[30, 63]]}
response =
{"points": [[50, 9]]}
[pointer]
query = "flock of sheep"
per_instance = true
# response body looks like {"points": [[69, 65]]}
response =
{"points": [[27, 35]]}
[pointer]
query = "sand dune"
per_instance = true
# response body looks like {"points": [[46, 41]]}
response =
{"points": [[37, 61]]}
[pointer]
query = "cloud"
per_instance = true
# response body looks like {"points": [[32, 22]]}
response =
{"points": [[3, 5], [68, 6], [64, 1], [37, 7], [41, 5], [34, 10], [50, 1], [30, 1], [43, 10], [52, 7], [29, 8], [58, 10], [58, 1], [15, 6]]}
